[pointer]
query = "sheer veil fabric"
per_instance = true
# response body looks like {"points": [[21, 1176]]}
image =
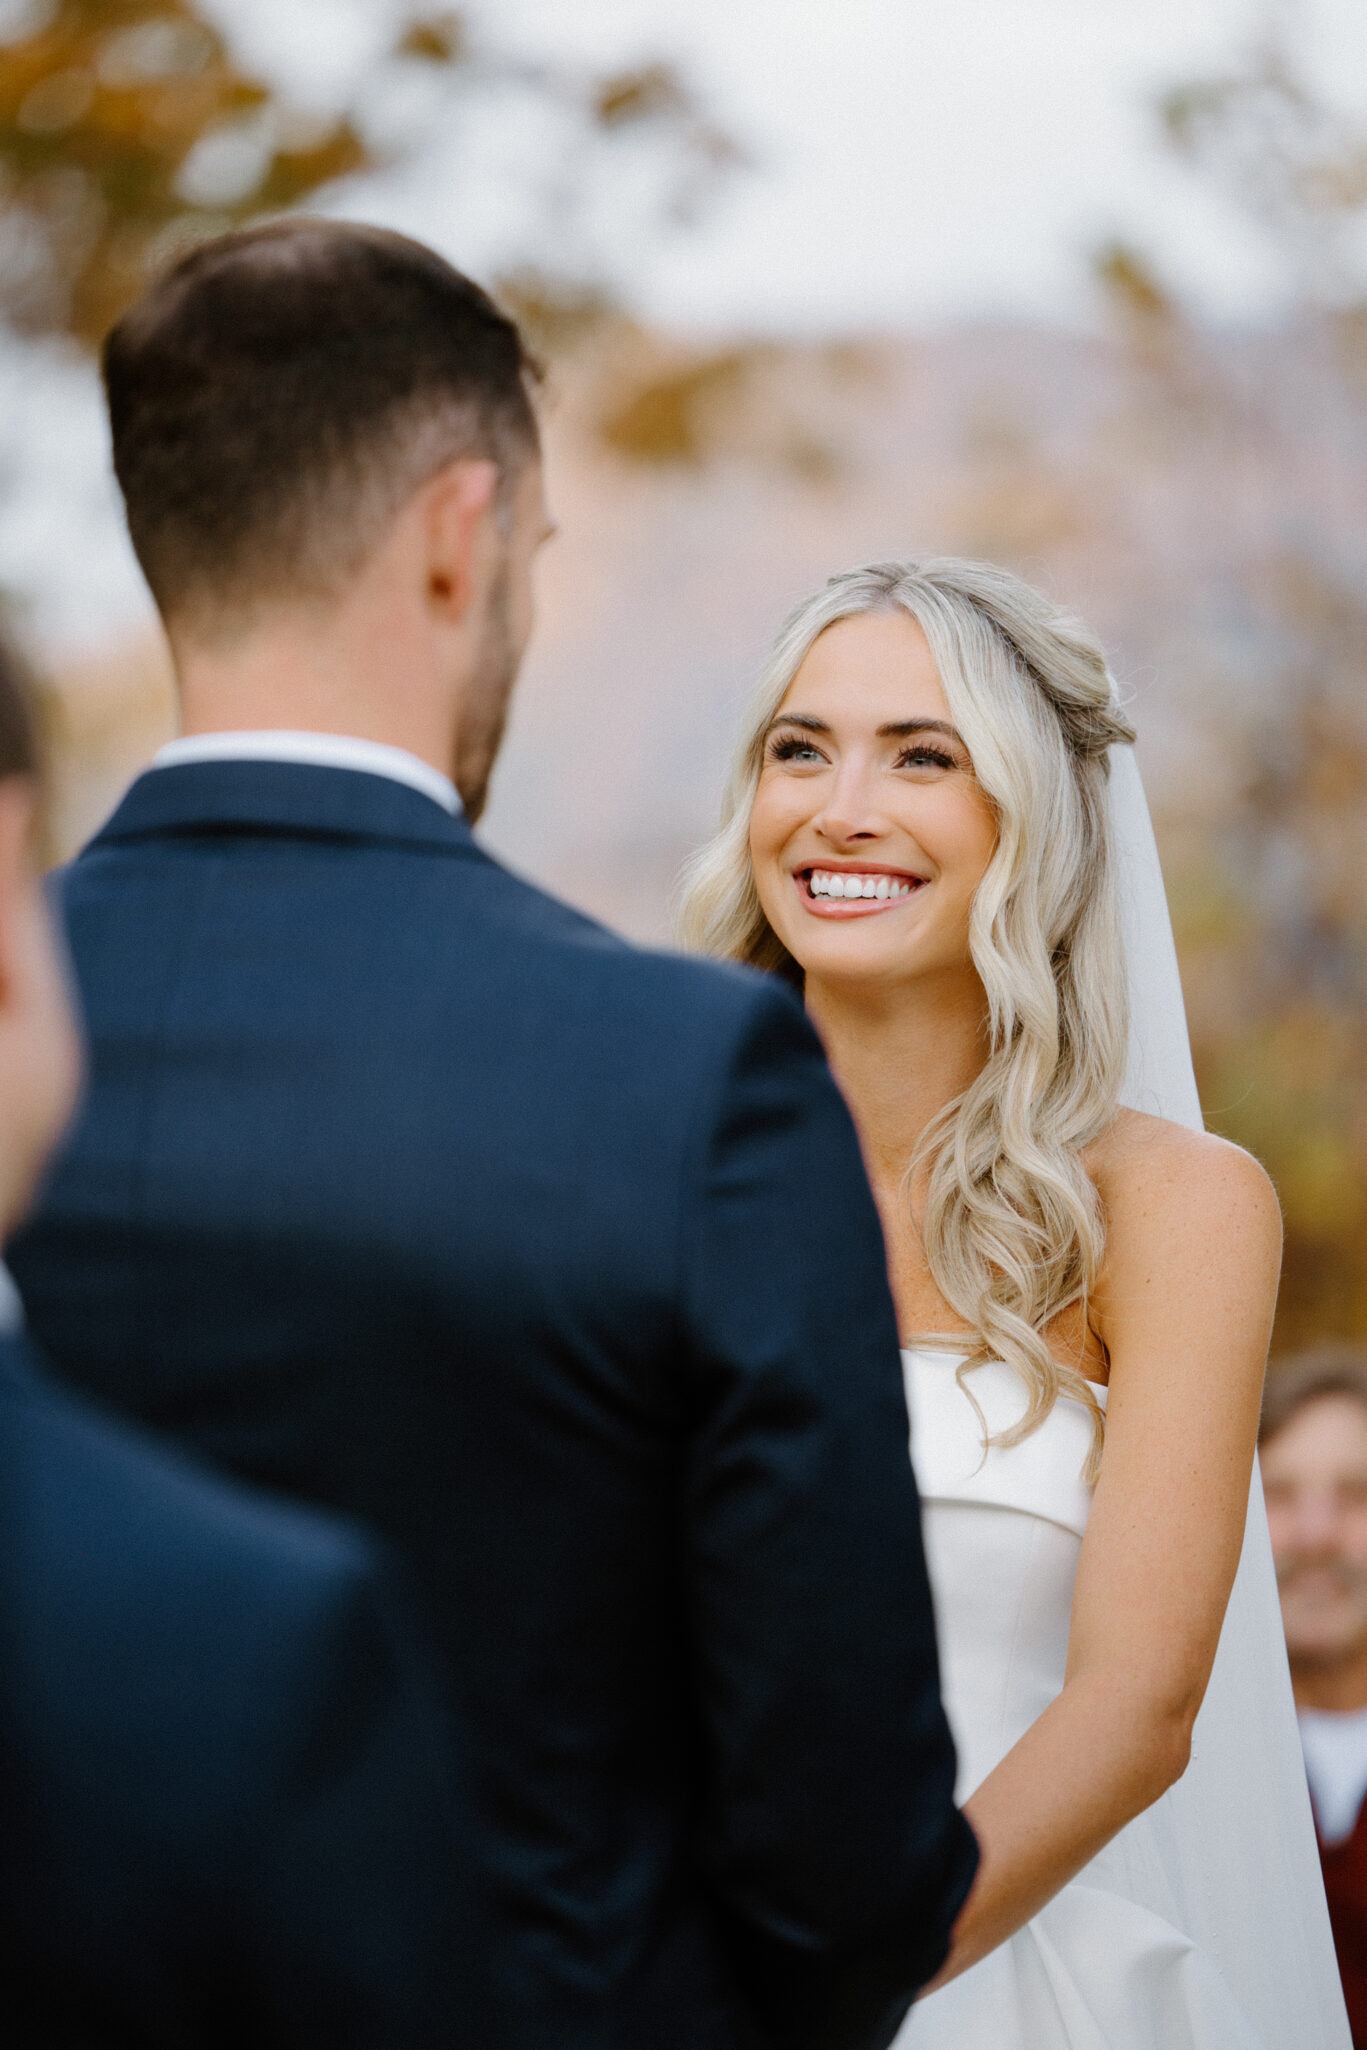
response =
{"points": [[1236, 1832]]}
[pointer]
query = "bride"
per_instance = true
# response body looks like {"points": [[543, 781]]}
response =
{"points": [[936, 831]]}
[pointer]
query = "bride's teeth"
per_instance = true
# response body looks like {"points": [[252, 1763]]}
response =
{"points": [[827, 883]]}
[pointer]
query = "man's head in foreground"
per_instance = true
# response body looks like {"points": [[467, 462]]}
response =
{"points": [[39, 1049], [1313, 1445], [329, 457]]}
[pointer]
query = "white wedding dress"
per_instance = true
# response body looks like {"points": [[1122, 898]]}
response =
{"points": [[1202, 1925]]}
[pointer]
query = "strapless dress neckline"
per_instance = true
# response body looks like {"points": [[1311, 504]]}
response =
{"points": [[1041, 1476]]}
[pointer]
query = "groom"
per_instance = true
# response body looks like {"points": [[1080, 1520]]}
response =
{"points": [[402, 1187]]}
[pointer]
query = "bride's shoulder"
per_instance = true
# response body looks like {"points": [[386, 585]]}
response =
{"points": [[1162, 1182]]}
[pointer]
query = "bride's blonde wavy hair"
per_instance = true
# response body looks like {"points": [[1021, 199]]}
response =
{"points": [[1012, 1227]]}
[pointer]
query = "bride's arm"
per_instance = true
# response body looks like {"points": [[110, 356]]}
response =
{"points": [[1184, 1308]]}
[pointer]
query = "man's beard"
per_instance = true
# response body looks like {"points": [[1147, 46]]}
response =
{"points": [[1304, 1629], [484, 711]]}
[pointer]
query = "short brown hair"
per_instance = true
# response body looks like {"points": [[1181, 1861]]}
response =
{"points": [[1303, 1377], [277, 395], [18, 733]]}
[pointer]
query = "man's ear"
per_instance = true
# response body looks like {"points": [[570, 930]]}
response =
{"points": [[460, 501], [17, 806]]}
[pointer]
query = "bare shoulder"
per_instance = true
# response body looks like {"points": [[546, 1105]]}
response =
{"points": [[1165, 1186]]}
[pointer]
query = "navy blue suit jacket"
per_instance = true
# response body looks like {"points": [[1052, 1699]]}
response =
{"points": [[403, 1187], [225, 1810]]}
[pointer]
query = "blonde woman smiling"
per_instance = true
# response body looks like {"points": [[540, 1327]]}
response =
{"points": [[920, 833]]}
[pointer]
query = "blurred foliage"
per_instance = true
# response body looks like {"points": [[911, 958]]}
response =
{"points": [[129, 131], [667, 418], [1270, 898], [654, 96], [435, 39], [556, 314], [1288, 157], [756, 402], [1131, 286], [1270, 885]]}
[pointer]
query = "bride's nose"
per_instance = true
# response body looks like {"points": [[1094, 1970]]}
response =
{"points": [[850, 811]]}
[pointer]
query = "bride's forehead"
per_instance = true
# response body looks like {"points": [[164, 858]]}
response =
{"points": [[874, 666]]}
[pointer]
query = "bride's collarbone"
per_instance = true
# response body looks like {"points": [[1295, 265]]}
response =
{"points": [[1136, 1155], [923, 1312]]}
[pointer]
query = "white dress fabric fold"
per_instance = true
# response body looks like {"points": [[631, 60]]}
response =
{"points": [[1202, 1926]]}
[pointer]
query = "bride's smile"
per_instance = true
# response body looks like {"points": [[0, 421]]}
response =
{"points": [[868, 814], [855, 892]]}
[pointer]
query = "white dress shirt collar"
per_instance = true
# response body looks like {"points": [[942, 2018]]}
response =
{"points": [[1335, 1747], [319, 750]]}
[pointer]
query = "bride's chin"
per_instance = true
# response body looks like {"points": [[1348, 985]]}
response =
{"points": [[846, 954], [849, 977]]}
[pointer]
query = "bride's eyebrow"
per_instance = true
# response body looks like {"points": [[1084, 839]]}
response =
{"points": [[902, 729], [895, 729]]}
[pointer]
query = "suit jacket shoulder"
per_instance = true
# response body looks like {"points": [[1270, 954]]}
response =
{"points": [[222, 1779], [127, 1546], [705, 1008]]}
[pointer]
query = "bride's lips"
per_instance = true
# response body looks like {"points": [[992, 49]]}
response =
{"points": [[825, 888]]}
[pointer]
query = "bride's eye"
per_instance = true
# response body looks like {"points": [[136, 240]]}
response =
{"points": [[793, 747], [922, 756]]}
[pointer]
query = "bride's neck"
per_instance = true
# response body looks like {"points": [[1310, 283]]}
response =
{"points": [[900, 1056]]}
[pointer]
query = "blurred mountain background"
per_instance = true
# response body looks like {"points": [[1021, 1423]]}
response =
{"points": [[1189, 474]]}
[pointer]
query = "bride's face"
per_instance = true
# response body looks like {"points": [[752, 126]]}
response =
{"points": [[870, 832]]}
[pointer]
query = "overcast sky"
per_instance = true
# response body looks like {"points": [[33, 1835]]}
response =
{"points": [[912, 160]]}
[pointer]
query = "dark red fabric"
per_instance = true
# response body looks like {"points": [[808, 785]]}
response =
{"points": [[1345, 1884]]}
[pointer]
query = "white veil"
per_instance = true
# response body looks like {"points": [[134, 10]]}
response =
{"points": [[1236, 1835]]}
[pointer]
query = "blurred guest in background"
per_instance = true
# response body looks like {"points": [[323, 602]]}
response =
{"points": [[225, 1812], [1314, 1460]]}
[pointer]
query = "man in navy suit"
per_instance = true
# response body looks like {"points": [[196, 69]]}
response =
{"points": [[224, 1803], [404, 1188]]}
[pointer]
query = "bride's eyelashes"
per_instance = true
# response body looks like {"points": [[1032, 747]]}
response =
{"points": [[922, 757], [792, 747], [800, 748]]}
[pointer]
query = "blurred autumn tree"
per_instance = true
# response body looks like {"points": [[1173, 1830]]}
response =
{"points": [[1270, 895], [1269, 877], [129, 130], [1289, 158]]}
